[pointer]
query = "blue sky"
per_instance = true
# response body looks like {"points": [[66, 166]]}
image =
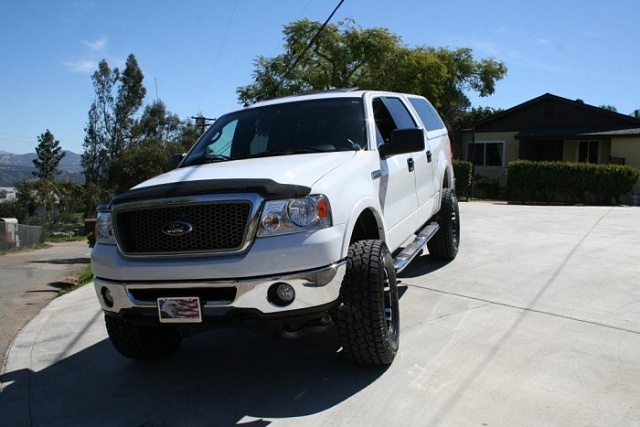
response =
{"points": [[194, 54]]}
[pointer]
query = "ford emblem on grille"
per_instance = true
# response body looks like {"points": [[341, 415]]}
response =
{"points": [[177, 228]]}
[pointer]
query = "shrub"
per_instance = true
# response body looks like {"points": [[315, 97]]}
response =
{"points": [[463, 172], [489, 186], [12, 209], [563, 182]]}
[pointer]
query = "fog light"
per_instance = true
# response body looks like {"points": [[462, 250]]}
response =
{"points": [[107, 297], [281, 294], [285, 292]]}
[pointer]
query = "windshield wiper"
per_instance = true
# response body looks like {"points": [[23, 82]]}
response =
{"points": [[210, 158], [216, 158], [300, 150]]}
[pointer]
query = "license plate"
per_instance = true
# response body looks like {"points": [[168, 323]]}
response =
{"points": [[179, 310]]}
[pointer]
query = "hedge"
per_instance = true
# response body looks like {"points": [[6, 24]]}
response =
{"points": [[463, 172], [563, 182]]}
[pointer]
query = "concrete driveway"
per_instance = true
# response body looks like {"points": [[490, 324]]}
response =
{"points": [[537, 322]]}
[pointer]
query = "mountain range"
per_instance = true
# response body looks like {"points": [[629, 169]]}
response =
{"points": [[17, 167]]}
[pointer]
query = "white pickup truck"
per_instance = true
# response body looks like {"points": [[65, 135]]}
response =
{"points": [[291, 216]]}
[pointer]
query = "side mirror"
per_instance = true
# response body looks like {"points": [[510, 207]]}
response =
{"points": [[175, 160], [403, 141]]}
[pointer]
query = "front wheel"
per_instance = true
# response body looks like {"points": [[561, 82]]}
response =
{"points": [[368, 318], [141, 342], [444, 245]]}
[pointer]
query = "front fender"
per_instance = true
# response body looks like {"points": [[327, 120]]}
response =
{"points": [[362, 205]]}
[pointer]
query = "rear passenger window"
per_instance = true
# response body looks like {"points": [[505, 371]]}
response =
{"points": [[427, 113]]}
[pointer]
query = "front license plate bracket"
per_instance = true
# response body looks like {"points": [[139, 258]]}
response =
{"points": [[179, 310]]}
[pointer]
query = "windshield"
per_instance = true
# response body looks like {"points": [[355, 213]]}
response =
{"points": [[322, 125]]}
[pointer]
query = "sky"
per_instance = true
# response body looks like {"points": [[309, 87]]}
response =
{"points": [[195, 54]]}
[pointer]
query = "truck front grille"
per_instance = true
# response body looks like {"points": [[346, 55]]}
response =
{"points": [[182, 229]]}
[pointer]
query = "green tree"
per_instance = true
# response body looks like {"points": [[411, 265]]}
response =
{"points": [[166, 128], [47, 196], [345, 55], [94, 158], [131, 93], [636, 113], [155, 136], [138, 163], [118, 96], [92, 195], [71, 195], [341, 56], [468, 118], [27, 196], [12, 209], [121, 149], [156, 123], [49, 156]]}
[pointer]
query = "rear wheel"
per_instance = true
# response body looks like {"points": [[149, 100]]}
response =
{"points": [[141, 342], [368, 318], [445, 243]]}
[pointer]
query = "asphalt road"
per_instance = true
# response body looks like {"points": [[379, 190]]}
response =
{"points": [[537, 322], [30, 279]]}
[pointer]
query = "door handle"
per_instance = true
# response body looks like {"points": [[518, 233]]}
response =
{"points": [[428, 156], [410, 164]]}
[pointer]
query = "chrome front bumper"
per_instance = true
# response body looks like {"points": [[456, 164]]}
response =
{"points": [[312, 288]]}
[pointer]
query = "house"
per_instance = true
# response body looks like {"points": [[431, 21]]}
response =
{"points": [[552, 128], [7, 194]]}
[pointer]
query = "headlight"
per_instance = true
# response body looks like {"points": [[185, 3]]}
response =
{"points": [[104, 229], [302, 211], [295, 216]]}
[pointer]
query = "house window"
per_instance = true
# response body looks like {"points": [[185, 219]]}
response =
{"points": [[487, 153], [588, 151]]}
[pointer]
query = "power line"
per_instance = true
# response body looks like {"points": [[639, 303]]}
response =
{"points": [[275, 50], [322, 27], [12, 137], [215, 62], [23, 140]]}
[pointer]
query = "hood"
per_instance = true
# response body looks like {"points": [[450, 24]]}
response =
{"points": [[298, 169]]}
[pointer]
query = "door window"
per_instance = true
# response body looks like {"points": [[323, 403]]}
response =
{"points": [[390, 114]]}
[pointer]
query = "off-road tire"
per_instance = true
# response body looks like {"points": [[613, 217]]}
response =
{"points": [[444, 245], [141, 342], [368, 318]]}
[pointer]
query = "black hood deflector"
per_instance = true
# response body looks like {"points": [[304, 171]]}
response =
{"points": [[267, 188]]}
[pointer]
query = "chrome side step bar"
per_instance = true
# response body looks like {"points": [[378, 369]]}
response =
{"points": [[412, 249]]}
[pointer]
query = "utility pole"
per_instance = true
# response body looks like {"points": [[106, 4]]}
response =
{"points": [[202, 123]]}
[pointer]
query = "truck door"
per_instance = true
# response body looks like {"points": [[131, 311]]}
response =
{"points": [[427, 181], [397, 183]]}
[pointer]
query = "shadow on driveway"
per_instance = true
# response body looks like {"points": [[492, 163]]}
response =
{"points": [[65, 261], [224, 377], [422, 265]]}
